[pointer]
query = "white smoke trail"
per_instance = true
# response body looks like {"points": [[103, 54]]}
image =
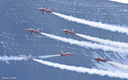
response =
{"points": [[103, 41], [7, 58], [121, 1], [119, 65], [84, 70], [86, 44], [94, 24], [49, 56]]}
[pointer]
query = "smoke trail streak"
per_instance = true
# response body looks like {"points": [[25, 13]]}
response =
{"points": [[84, 70], [86, 44], [7, 58], [119, 65], [94, 24], [49, 56], [103, 41], [120, 1]]}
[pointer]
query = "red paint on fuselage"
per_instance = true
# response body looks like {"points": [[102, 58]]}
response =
{"points": [[27, 57], [66, 54], [35, 31], [45, 10], [68, 31], [32, 30], [99, 59], [71, 32]]}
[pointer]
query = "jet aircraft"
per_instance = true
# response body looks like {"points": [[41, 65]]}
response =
{"points": [[68, 31], [35, 31], [66, 54], [29, 57], [100, 59], [45, 10]]}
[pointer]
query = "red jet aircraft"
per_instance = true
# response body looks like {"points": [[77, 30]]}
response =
{"points": [[35, 31], [29, 57], [66, 54], [68, 31], [45, 10], [100, 59]]}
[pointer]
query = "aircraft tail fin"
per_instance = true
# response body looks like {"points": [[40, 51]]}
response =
{"points": [[104, 57], [49, 8], [30, 28], [38, 29], [62, 51], [30, 55], [73, 30]]}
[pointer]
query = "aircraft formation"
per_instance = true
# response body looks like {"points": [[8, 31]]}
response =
{"points": [[65, 54], [66, 31]]}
